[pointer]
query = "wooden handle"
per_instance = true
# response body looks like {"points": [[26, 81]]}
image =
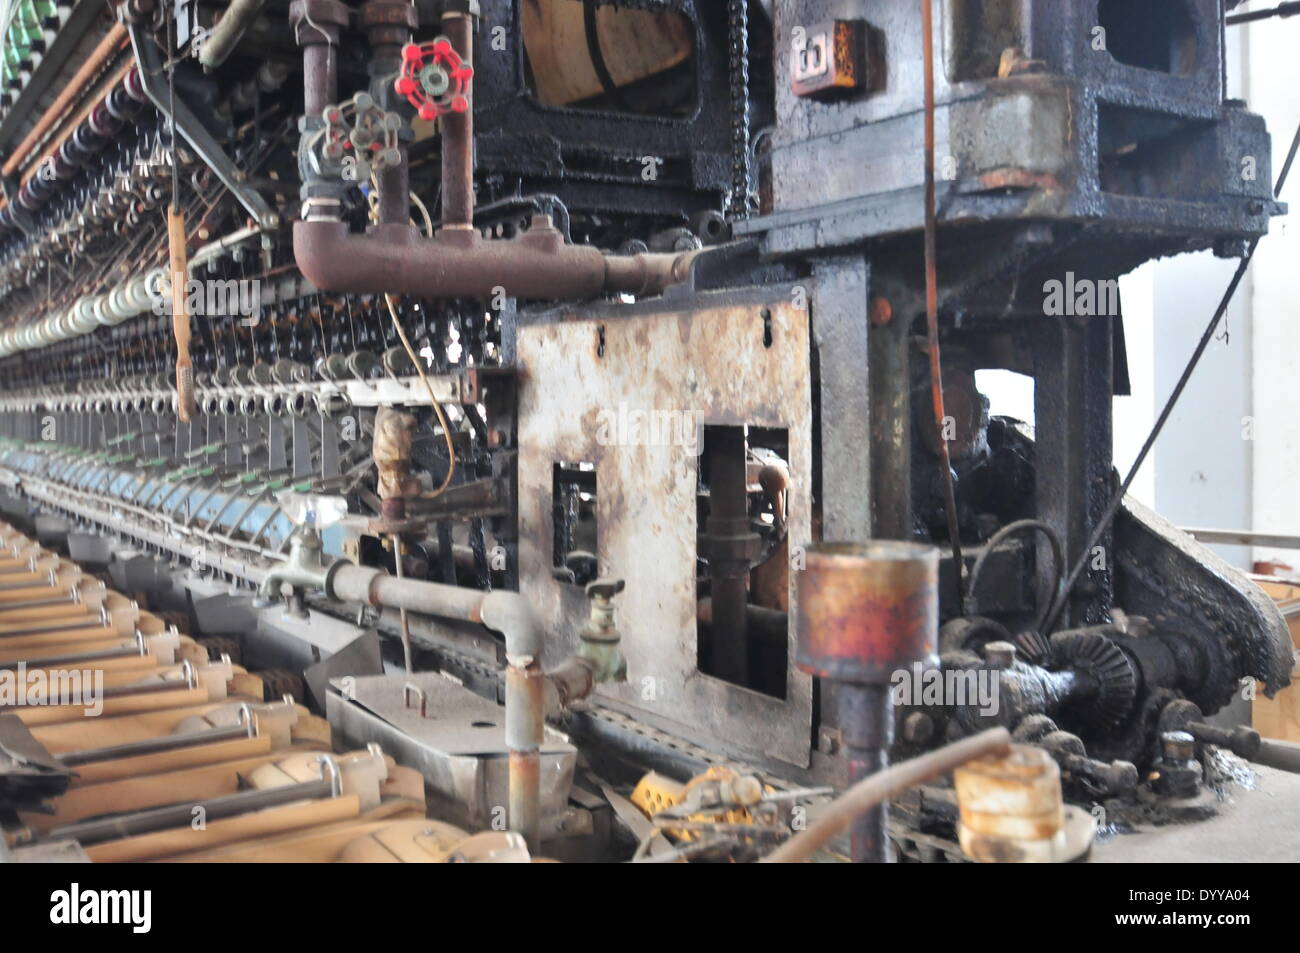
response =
{"points": [[180, 316]]}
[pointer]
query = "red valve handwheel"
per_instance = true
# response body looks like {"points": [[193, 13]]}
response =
{"points": [[413, 82]]}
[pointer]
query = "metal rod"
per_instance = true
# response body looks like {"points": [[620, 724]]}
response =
{"points": [[181, 815], [1242, 537], [882, 786], [132, 749], [1289, 9], [932, 302]]}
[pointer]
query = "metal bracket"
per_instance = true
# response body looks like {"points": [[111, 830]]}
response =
{"points": [[150, 59]]}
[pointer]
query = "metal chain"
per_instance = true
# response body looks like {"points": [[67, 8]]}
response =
{"points": [[742, 200]]}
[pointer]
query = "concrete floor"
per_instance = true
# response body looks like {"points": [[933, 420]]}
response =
{"points": [[1253, 826]]}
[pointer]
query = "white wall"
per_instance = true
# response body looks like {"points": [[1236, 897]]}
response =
{"points": [[1273, 80]]}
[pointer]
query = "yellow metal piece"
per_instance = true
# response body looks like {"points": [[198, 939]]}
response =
{"points": [[722, 795], [655, 792]]}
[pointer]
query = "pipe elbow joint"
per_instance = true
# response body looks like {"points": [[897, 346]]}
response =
{"points": [[513, 616]]}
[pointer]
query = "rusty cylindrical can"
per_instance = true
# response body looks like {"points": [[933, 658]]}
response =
{"points": [[866, 610]]}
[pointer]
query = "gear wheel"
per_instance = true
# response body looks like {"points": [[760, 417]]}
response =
{"points": [[1033, 647], [1092, 654]]}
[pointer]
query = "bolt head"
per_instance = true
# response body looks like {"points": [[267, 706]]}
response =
{"points": [[1178, 746], [1000, 654]]}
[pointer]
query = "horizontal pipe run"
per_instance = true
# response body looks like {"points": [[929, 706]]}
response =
{"points": [[230, 29], [395, 259]]}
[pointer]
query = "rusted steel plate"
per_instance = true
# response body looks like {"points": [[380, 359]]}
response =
{"points": [[717, 365]]}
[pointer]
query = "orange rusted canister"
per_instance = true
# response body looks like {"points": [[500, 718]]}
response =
{"points": [[866, 610]]}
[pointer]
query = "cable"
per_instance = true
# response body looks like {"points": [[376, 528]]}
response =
{"points": [[932, 304], [424, 212], [1113, 507], [1058, 561], [411, 353], [437, 407]]}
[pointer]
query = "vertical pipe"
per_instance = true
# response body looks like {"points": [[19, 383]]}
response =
{"points": [[728, 523], [865, 612], [458, 134], [320, 80], [394, 194], [525, 727], [867, 730]]}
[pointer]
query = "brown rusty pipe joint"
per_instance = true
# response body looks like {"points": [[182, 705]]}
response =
{"points": [[395, 259]]}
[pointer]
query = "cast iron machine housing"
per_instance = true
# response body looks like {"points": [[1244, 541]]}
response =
{"points": [[643, 286]]}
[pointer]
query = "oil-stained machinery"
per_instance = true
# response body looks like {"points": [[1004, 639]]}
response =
{"points": [[554, 384]]}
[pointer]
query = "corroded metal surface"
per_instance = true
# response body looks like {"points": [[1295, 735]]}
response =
{"points": [[712, 367], [1196, 600], [866, 611]]}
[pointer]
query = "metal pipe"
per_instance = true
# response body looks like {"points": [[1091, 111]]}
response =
{"points": [[865, 612], [728, 535], [393, 258], [1283, 755], [880, 787], [458, 134], [348, 582], [230, 29], [525, 729], [320, 84], [180, 815]]}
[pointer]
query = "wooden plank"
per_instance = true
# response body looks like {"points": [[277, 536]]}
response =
{"points": [[1279, 717], [33, 716]]}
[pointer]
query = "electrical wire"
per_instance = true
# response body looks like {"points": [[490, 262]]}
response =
{"points": [[1058, 562], [424, 213], [932, 305], [415, 358]]}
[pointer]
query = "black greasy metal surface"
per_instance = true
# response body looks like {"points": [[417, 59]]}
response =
{"points": [[1196, 600], [840, 333], [846, 171], [1073, 368], [594, 160]]}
